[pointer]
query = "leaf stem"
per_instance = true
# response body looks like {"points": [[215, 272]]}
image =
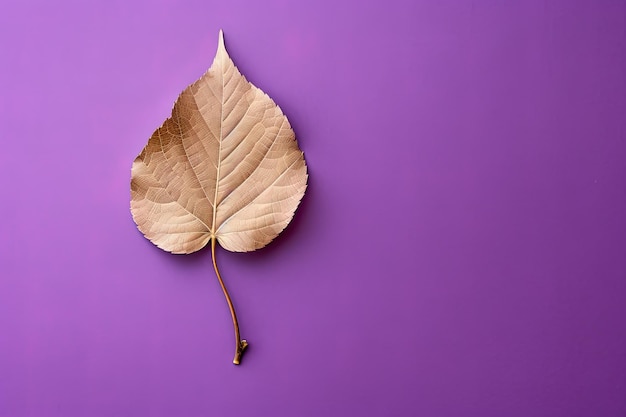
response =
{"points": [[241, 344]]}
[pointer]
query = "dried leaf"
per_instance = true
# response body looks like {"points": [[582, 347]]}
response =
{"points": [[224, 167]]}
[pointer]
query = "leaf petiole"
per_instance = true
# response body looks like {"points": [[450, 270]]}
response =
{"points": [[241, 345]]}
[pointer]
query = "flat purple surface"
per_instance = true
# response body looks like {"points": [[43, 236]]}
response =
{"points": [[461, 250]]}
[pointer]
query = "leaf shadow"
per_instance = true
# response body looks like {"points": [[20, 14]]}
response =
{"points": [[186, 265], [193, 259]]}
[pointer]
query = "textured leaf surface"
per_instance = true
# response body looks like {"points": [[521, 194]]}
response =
{"points": [[225, 164]]}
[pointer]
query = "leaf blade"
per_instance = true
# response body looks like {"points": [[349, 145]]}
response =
{"points": [[225, 164]]}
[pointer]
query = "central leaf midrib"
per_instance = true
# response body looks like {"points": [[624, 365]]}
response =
{"points": [[219, 156]]}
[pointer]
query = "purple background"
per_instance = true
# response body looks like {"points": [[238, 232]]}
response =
{"points": [[461, 250]]}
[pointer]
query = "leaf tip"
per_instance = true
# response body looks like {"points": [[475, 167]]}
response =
{"points": [[220, 44]]}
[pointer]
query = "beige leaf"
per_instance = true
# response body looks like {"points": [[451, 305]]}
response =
{"points": [[225, 166]]}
